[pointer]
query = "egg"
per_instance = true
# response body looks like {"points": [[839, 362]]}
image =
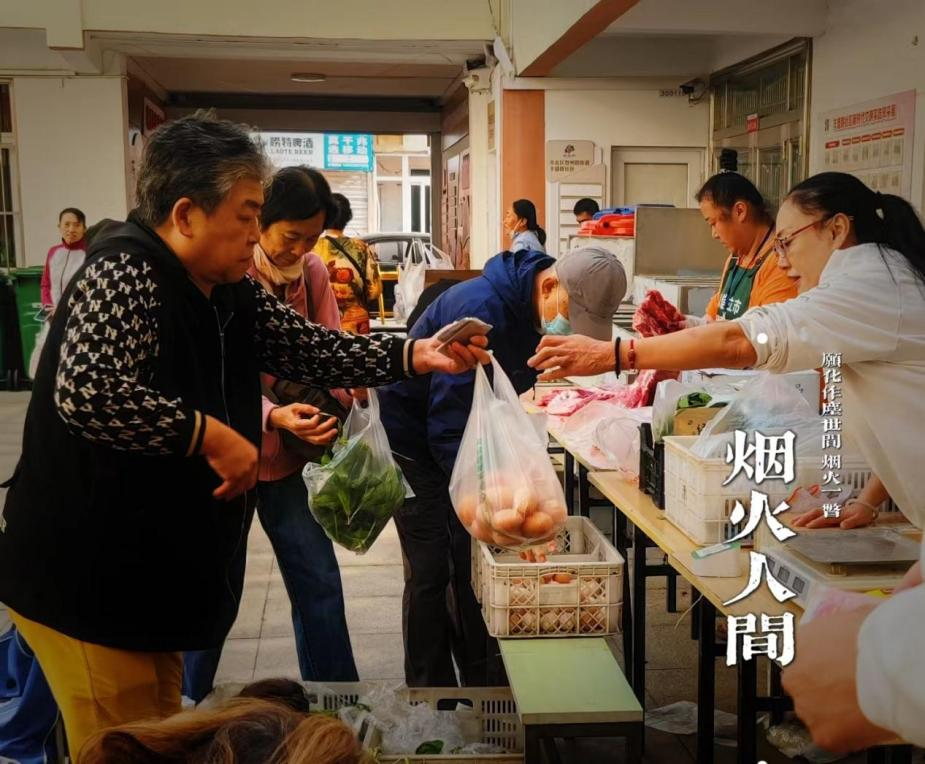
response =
{"points": [[563, 578], [525, 500], [507, 521], [549, 622], [590, 589], [521, 594], [465, 509], [500, 496], [591, 620], [537, 525], [567, 621], [505, 541], [555, 509], [480, 531], [523, 622]]}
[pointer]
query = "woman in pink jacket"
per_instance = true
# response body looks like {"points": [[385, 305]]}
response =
{"points": [[295, 211]]}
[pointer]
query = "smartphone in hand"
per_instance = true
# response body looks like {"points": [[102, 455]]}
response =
{"points": [[460, 331]]}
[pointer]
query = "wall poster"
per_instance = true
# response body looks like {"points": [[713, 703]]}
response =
{"points": [[872, 141]]}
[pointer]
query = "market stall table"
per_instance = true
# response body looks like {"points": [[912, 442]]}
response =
{"points": [[650, 524]]}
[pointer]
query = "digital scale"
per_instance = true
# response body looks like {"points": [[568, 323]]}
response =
{"points": [[858, 560]]}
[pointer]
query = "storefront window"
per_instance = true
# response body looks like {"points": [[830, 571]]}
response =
{"points": [[758, 110], [6, 113]]}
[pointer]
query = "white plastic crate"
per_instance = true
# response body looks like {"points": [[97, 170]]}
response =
{"points": [[521, 599], [698, 503], [491, 717]]}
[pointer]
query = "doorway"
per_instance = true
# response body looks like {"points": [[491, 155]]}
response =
{"points": [[655, 176]]}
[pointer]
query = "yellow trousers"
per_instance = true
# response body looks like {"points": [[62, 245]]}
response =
{"points": [[99, 687]]}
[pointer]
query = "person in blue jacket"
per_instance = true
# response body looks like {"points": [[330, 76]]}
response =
{"points": [[523, 295]]}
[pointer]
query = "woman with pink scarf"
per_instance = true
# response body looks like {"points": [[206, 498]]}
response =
{"points": [[295, 212]]}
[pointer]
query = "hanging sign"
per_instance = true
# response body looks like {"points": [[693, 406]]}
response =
{"points": [[565, 157]]}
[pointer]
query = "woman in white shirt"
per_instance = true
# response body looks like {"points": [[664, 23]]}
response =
{"points": [[525, 232], [858, 259]]}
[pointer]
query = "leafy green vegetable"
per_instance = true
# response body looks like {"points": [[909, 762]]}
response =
{"points": [[353, 496], [429, 747]]}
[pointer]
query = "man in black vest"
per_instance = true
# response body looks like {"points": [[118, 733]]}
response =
{"points": [[123, 537]]}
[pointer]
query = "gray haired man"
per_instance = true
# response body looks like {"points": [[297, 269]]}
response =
{"points": [[126, 520]]}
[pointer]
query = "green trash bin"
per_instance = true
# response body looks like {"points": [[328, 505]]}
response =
{"points": [[28, 286], [10, 348]]}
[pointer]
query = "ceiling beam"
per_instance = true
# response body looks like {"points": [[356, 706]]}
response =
{"points": [[302, 102], [587, 27]]}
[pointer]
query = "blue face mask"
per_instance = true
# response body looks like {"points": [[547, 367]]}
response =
{"points": [[559, 325]]}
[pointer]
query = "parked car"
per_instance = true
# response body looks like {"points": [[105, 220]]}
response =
{"points": [[391, 250]]}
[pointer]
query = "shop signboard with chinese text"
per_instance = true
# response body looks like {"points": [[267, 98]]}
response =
{"points": [[327, 151], [290, 149], [348, 151]]}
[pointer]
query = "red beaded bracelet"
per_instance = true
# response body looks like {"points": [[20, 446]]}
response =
{"points": [[631, 356]]}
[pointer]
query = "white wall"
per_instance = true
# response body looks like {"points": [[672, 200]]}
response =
{"points": [[70, 141], [481, 243], [867, 51], [627, 118]]}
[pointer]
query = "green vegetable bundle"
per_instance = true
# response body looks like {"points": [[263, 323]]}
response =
{"points": [[355, 494]]}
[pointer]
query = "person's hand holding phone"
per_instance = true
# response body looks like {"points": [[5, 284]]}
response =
{"points": [[305, 422]]}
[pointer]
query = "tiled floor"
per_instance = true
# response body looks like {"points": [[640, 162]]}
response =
{"points": [[261, 643]]}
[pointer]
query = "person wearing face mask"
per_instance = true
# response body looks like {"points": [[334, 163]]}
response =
{"points": [[64, 259], [523, 295], [857, 258], [297, 205], [525, 232]]}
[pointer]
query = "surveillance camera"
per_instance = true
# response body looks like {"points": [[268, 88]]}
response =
{"points": [[693, 89], [477, 82]]}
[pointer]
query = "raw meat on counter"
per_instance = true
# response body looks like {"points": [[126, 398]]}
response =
{"points": [[656, 316], [567, 402], [642, 391]]}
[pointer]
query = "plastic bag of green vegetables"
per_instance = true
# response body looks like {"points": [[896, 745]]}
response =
{"points": [[354, 495]]}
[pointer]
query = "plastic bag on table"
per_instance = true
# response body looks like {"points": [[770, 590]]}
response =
{"points": [[354, 495], [670, 391], [617, 441], [503, 487], [770, 405]]}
